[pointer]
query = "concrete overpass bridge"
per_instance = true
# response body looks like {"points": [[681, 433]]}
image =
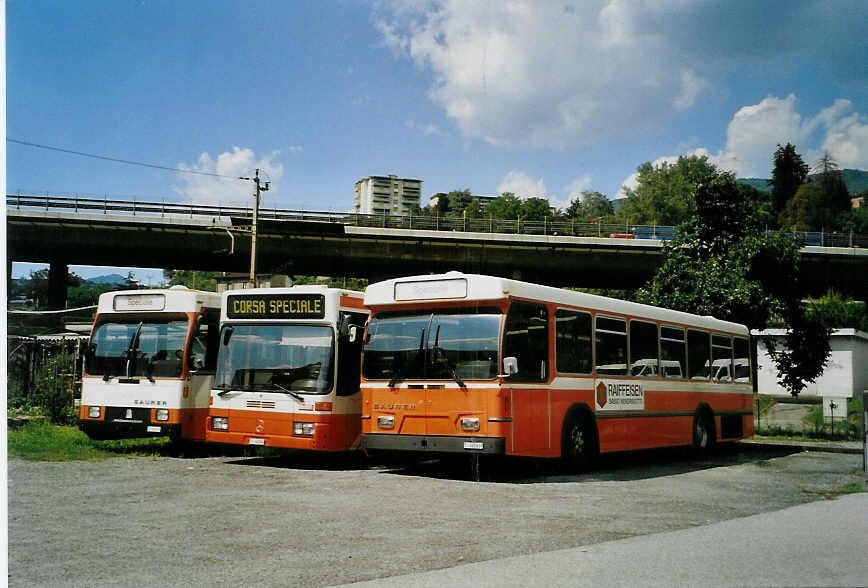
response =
{"points": [[81, 231]]}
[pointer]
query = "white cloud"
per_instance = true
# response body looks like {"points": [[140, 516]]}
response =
{"points": [[520, 184], [755, 131], [527, 72], [426, 129], [847, 135], [575, 189], [542, 73], [240, 162]]}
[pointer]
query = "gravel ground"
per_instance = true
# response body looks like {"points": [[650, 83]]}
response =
{"points": [[299, 521]]}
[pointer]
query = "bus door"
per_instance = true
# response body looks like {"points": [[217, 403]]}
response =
{"points": [[201, 363], [526, 345]]}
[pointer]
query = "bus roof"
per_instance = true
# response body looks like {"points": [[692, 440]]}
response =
{"points": [[461, 287], [174, 299]]}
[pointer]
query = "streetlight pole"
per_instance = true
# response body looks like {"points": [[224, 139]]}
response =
{"points": [[259, 188]]}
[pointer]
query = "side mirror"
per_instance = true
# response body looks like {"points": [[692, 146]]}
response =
{"points": [[510, 367], [227, 334]]}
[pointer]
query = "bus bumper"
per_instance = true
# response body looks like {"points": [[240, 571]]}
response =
{"points": [[434, 443], [120, 430]]}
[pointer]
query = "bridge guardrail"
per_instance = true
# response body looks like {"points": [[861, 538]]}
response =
{"points": [[418, 222]]}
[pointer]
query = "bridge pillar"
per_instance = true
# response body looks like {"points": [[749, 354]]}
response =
{"points": [[57, 273]]}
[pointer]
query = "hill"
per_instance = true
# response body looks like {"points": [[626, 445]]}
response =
{"points": [[114, 279], [856, 180]]}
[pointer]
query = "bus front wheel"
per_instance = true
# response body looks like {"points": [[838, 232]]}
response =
{"points": [[579, 442]]}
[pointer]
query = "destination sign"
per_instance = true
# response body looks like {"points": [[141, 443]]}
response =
{"points": [[276, 306], [124, 302]]}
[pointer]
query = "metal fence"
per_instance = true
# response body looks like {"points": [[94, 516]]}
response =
{"points": [[417, 222]]}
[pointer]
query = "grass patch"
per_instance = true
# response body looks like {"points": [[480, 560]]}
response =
{"points": [[46, 442]]}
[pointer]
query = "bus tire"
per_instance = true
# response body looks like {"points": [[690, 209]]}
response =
{"points": [[703, 432], [578, 442]]}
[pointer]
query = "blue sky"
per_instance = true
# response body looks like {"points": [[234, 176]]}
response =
{"points": [[533, 97]]}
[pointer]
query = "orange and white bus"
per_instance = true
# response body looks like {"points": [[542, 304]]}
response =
{"points": [[288, 369], [150, 364], [473, 364]]}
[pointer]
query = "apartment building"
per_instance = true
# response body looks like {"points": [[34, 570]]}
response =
{"points": [[387, 195]]}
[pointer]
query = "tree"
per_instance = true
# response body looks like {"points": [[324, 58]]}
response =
{"points": [[456, 204], [590, 205], [802, 211], [722, 263], [664, 194], [834, 198], [535, 209], [820, 204], [835, 311], [788, 173], [193, 279], [505, 206]]}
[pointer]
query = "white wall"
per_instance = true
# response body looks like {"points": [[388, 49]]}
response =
{"points": [[845, 374]]}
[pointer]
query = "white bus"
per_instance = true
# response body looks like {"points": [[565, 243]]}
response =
{"points": [[288, 369], [150, 364]]}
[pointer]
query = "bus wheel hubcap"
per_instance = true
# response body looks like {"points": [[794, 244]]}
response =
{"points": [[577, 440]]}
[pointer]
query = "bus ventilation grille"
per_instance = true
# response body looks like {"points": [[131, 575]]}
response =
{"points": [[261, 404]]}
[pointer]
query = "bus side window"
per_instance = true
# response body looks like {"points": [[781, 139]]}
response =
{"points": [[721, 358], [610, 337], [741, 361], [643, 349], [350, 357], [526, 338], [698, 355], [573, 350], [673, 353]]}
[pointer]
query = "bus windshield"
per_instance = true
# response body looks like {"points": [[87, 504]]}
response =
{"points": [[444, 345], [276, 358], [134, 348]]}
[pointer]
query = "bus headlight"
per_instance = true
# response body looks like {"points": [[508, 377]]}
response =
{"points": [[219, 423], [162, 414], [386, 422], [300, 429], [93, 412], [470, 424]]}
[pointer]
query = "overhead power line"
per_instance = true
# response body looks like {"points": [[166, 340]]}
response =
{"points": [[116, 160]]}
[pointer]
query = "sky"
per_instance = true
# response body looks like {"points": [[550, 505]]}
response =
{"points": [[533, 97]]}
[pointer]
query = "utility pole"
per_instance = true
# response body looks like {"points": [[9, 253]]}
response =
{"points": [[259, 188]]}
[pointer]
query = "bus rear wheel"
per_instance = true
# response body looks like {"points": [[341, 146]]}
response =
{"points": [[579, 443], [703, 432]]}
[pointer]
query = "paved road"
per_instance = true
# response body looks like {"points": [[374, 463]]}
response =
{"points": [[781, 548], [244, 521]]}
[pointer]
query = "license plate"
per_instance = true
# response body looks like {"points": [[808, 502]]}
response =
{"points": [[154, 429], [472, 445], [256, 441]]}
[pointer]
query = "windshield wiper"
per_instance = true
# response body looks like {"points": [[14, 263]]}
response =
{"points": [[399, 370], [295, 395], [131, 350], [444, 359], [224, 390]]}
